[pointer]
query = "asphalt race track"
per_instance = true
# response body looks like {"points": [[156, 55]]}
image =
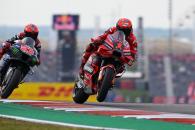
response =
{"points": [[174, 108], [120, 116]]}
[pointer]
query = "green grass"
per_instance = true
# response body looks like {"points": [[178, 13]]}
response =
{"points": [[11, 124]]}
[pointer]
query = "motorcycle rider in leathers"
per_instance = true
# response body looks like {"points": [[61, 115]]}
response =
{"points": [[124, 25], [30, 30]]}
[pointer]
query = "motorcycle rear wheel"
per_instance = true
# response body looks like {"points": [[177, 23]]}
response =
{"points": [[79, 96]]}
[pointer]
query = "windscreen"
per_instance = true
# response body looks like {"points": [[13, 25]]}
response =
{"points": [[118, 36], [28, 41]]}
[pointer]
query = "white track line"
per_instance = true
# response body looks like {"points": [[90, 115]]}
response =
{"points": [[7, 100], [90, 109], [58, 123], [168, 115]]}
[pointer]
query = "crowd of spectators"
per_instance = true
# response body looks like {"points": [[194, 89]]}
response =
{"points": [[183, 76]]}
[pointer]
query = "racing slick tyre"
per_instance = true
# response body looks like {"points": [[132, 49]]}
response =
{"points": [[105, 84], [79, 96], [10, 82]]}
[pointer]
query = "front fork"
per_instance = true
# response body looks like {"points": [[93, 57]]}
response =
{"points": [[94, 72], [101, 74], [91, 87]]}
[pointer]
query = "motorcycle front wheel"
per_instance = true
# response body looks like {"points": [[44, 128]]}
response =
{"points": [[10, 82], [105, 84]]}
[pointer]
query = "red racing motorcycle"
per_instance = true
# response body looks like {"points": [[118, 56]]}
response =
{"points": [[102, 67]]}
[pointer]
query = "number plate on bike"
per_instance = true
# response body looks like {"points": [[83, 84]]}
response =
{"points": [[26, 49]]}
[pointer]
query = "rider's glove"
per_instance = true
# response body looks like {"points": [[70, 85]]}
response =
{"points": [[6, 46]]}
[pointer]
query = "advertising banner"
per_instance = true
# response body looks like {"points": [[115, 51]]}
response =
{"points": [[45, 91]]}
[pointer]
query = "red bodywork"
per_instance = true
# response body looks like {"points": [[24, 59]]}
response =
{"points": [[107, 48], [94, 71]]}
